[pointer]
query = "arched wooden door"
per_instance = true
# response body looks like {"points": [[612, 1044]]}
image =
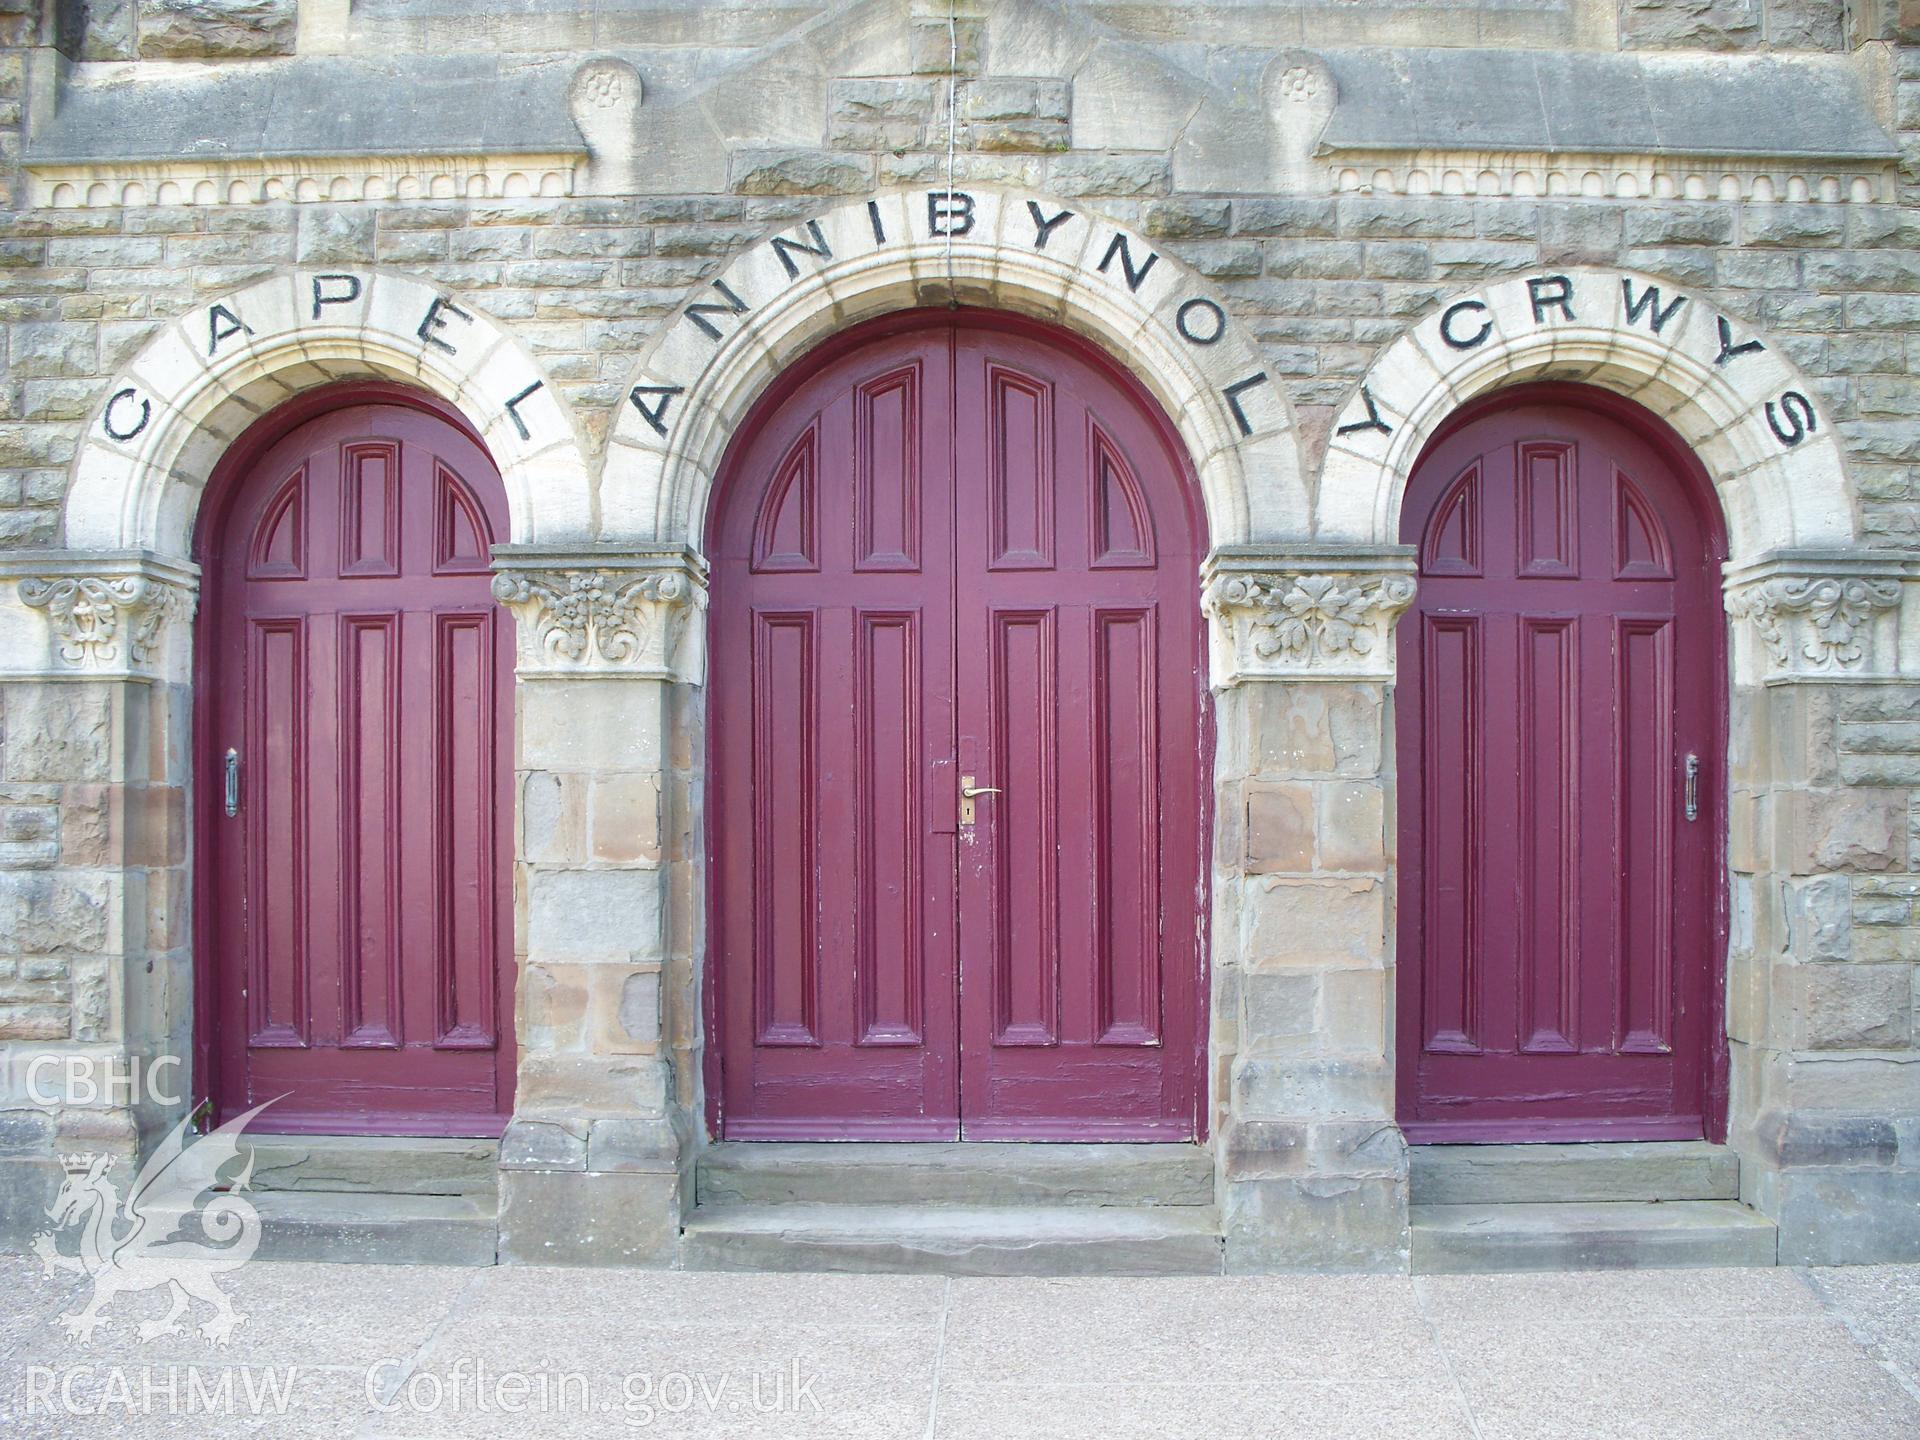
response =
{"points": [[1560, 729], [357, 769], [956, 550]]}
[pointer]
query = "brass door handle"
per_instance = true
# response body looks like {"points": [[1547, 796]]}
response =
{"points": [[967, 791]]}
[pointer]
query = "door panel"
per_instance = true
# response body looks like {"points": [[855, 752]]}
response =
{"points": [[1557, 909], [833, 891], [359, 670], [999, 585]]}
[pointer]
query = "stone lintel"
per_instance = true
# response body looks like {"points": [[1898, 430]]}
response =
{"points": [[103, 614], [607, 612], [1825, 615], [1304, 611]]}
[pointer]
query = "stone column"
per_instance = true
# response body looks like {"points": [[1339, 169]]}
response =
{"points": [[1824, 953], [1313, 1167], [609, 643], [96, 970]]}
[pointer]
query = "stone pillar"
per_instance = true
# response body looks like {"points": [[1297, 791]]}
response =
{"points": [[1824, 952], [608, 641], [1313, 1167], [96, 969]]}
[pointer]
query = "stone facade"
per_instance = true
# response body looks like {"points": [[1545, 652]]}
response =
{"points": [[611, 227]]}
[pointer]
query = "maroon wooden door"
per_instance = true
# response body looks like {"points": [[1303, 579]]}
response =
{"points": [[1560, 678], [957, 547], [361, 689]]}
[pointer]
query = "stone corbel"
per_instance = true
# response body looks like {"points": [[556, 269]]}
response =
{"points": [[623, 613], [105, 612], [1820, 614], [1304, 612]]}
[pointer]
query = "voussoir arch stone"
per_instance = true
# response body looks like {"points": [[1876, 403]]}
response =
{"points": [[1745, 410], [1035, 255], [167, 417]]}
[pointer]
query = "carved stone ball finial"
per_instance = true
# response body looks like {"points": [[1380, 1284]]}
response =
{"points": [[1300, 96], [604, 101]]}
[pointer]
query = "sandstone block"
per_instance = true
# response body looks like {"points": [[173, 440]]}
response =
{"points": [[1279, 827], [594, 914], [585, 1218], [1336, 924], [625, 824], [538, 1143], [1318, 1223]]}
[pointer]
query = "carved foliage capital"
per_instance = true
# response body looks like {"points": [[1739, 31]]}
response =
{"points": [[1313, 620], [628, 617], [107, 621], [1841, 624]]}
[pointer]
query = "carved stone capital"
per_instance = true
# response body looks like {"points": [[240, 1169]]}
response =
{"points": [[106, 612], [624, 613], [1819, 615], [1305, 612]]}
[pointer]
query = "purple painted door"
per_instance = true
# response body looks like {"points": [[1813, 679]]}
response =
{"points": [[361, 680], [1560, 680], [958, 551]]}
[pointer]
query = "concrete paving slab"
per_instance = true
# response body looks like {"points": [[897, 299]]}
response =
{"points": [[1234, 1330], [1411, 1410], [1582, 1297], [1881, 1304], [1771, 1379], [1752, 1354]]}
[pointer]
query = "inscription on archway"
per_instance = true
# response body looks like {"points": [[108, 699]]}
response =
{"points": [[1102, 256]]}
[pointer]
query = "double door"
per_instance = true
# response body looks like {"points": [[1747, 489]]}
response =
{"points": [[955, 884]]}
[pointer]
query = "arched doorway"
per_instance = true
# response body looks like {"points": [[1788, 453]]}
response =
{"points": [[955, 550], [355, 816], [1561, 745]]}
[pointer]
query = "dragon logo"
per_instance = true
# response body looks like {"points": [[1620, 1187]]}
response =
{"points": [[150, 1240]]}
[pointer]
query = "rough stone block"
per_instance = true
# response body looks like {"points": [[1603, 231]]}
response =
{"points": [[1856, 1007], [1820, 918], [216, 29], [58, 732], [588, 1218], [53, 912], [800, 172], [880, 114], [1852, 829]]}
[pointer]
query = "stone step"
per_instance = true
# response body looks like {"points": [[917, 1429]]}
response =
{"points": [[962, 1173], [1520, 1174], [375, 1164], [958, 1239], [1613, 1235], [376, 1229]]}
